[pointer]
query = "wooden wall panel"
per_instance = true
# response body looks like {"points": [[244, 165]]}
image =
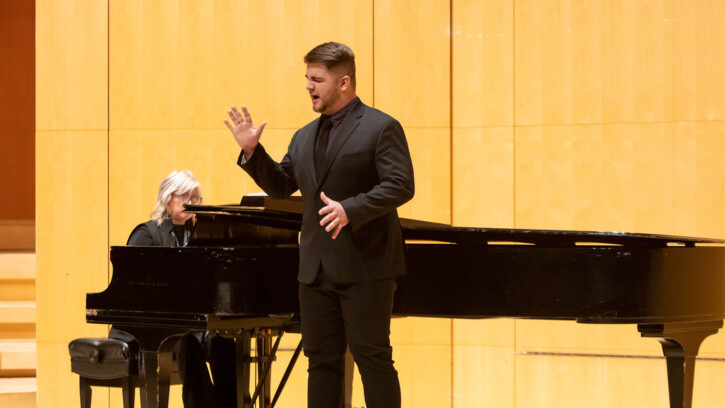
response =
{"points": [[658, 178], [708, 177], [482, 102], [430, 151], [71, 65], [482, 61], [708, 380], [412, 84], [17, 116], [709, 55], [416, 35], [422, 355], [181, 64], [412, 62], [632, 178], [484, 376], [614, 62], [17, 168], [570, 337], [17, 73], [484, 332], [623, 147], [568, 382], [425, 375], [604, 382], [72, 250], [483, 177], [73, 230], [482, 166], [483, 362], [71, 184]]}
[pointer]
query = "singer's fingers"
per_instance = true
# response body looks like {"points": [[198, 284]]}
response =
{"points": [[237, 115], [247, 117]]}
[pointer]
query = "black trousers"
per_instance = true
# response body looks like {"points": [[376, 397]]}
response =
{"points": [[335, 316], [198, 391]]}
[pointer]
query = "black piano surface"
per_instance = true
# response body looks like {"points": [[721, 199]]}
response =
{"points": [[241, 263]]}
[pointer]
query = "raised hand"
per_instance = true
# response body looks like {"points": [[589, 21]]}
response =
{"points": [[243, 129], [336, 217]]}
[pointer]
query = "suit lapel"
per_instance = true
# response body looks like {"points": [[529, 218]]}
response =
{"points": [[346, 129], [167, 239]]}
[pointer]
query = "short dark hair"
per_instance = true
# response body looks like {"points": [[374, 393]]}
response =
{"points": [[335, 57]]}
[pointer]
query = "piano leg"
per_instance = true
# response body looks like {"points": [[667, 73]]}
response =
{"points": [[264, 351], [243, 357], [142, 397], [150, 361], [128, 393], [165, 362], [680, 344], [157, 372]]}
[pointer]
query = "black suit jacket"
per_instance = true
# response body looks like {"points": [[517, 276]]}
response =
{"points": [[367, 169], [151, 234]]}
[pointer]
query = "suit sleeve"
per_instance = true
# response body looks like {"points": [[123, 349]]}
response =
{"points": [[396, 185], [141, 235], [276, 179]]}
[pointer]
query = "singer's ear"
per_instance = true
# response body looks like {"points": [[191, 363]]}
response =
{"points": [[345, 82]]}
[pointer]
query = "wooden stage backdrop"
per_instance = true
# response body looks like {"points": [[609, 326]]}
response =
{"points": [[598, 115]]}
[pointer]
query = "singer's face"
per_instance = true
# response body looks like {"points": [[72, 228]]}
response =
{"points": [[323, 87]]}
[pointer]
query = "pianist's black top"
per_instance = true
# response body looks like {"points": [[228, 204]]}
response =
{"points": [[166, 234]]}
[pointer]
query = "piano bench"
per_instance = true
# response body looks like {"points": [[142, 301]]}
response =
{"points": [[108, 363]]}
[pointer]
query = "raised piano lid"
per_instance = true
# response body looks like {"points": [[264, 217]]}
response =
{"points": [[258, 220]]}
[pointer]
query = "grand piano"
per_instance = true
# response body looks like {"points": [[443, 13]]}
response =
{"points": [[237, 277]]}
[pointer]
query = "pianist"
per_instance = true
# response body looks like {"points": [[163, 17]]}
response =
{"points": [[171, 226], [353, 169]]}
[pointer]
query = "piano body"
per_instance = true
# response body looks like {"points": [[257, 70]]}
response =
{"points": [[238, 277]]}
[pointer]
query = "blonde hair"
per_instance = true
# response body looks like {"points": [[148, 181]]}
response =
{"points": [[178, 182]]}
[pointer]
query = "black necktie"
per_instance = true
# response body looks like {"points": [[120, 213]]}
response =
{"points": [[323, 135]]}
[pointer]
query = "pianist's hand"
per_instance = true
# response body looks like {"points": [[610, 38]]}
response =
{"points": [[246, 135], [335, 219]]}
